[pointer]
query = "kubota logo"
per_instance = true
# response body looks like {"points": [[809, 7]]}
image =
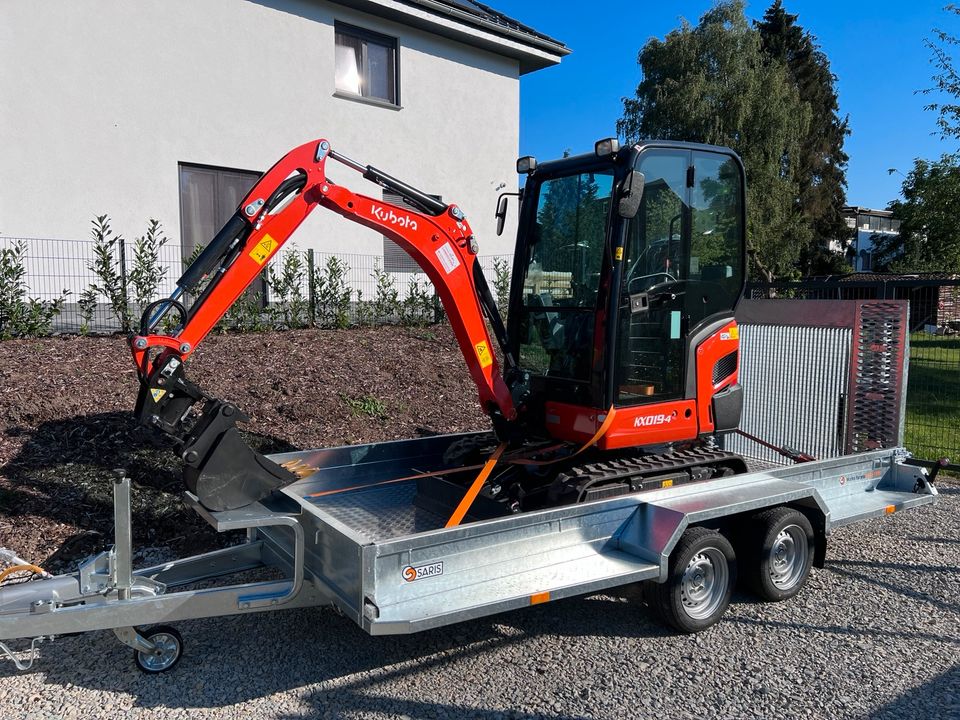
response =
{"points": [[411, 573], [648, 420], [389, 216]]}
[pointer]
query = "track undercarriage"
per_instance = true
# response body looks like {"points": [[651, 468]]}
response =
{"points": [[542, 481]]}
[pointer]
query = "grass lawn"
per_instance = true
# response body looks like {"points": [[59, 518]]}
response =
{"points": [[933, 397]]}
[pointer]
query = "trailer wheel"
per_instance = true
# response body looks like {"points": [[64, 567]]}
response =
{"points": [[779, 553], [169, 650], [703, 571]]}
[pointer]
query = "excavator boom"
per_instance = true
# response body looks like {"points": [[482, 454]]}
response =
{"points": [[220, 468]]}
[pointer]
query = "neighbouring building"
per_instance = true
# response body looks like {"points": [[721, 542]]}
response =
{"points": [[864, 224], [170, 109]]}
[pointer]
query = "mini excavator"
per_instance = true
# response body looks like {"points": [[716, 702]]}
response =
{"points": [[618, 365]]}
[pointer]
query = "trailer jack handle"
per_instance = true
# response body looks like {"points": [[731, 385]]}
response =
{"points": [[24, 665]]}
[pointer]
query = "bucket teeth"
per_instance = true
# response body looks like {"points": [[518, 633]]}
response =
{"points": [[299, 468]]}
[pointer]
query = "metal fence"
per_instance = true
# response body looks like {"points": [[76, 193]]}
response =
{"points": [[932, 426], [56, 269]]}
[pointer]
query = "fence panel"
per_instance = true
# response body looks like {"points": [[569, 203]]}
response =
{"points": [[299, 285]]}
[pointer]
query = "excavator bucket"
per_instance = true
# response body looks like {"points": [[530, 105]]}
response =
{"points": [[234, 475]]}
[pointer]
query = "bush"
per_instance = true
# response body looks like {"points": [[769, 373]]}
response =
{"points": [[113, 281], [87, 305], [147, 273], [386, 304], [501, 285], [246, 314], [364, 310], [107, 266], [290, 307], [332, 294], [22, 316], [417, 307]]}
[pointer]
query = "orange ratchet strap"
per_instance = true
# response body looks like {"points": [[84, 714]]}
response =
{"points": [[485, 471], [601, 431], [445, 471], [474, 490]]}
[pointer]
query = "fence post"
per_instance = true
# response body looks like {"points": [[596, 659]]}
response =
{"points": [[123, 282], [311, 289]]}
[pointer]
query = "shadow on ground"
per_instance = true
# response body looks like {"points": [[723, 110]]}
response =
{"points": [[937, 698], [64, 472], [237, 659]]}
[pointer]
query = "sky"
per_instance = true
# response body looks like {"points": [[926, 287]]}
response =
{"points": [[876, 50]]}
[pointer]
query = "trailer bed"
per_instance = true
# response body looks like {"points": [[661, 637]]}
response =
{"points": [[504, 563], [353, 534]]}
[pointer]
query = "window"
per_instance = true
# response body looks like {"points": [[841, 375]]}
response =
{"points": [[562, 276], [395, 258], [366, 64], [208, 198]]}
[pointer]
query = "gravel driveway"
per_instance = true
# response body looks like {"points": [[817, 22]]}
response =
{"points": [[875, 634]]}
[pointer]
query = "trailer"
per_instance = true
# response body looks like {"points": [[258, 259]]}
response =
{"points": [[365, 533]]}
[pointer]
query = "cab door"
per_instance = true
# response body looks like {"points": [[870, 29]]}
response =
{"points": [[682, 269], [651, 319]]}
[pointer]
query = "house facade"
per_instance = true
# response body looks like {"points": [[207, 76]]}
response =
{"points": [[865, 225], [170, 109]]}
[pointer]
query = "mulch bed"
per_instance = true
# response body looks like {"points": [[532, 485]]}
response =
{"points": [[67, 422]]}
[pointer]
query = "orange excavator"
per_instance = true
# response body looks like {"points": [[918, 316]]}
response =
{"points": [[618, 365]]}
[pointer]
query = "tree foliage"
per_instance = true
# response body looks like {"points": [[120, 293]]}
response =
{"points": [[820, 165], [759, 92], [946, 80], [928, 239]]}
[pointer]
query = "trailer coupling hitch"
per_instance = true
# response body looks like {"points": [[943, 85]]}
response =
{"points": [[219, 467]]}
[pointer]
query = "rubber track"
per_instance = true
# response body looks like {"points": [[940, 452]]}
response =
{"points": [[599, 473]]}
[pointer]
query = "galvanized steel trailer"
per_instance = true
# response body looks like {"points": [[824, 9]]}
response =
{"points": [[355, 535]]}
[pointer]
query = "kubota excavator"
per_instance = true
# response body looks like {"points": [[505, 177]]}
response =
{"points": [[620, 354]]}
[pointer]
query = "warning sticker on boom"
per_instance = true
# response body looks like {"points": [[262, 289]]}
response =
{"points": [[447, 258], [483, 354], [263, 249]]}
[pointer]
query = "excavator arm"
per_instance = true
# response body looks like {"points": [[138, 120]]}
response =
{"points": [[220, 468]]}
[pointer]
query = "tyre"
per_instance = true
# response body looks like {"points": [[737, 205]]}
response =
{"points": [[778, 553], [703, 571], [169, 650]]}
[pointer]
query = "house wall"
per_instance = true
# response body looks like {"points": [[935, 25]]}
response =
{"points": [[103, 98]]}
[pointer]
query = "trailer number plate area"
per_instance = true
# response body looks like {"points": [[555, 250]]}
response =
{"points": [[419, 572]]}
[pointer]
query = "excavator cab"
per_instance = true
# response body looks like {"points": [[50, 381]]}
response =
{"points": [[628, 269]]}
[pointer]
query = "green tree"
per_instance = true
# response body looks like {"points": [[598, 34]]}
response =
{"points": [[946, 81], [820, 165], [928, 240], [712, 83]]}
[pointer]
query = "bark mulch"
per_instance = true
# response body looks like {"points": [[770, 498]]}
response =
{"points": [[67, 422]]}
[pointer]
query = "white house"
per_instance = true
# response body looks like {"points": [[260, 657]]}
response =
{"points": [[169, 109]]}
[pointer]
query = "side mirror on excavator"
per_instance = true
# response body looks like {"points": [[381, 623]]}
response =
{"points": [[501, 214], [502, 208], [631, 193]]}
